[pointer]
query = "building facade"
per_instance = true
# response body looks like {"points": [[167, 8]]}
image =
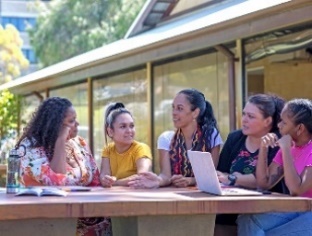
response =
{"points": [[22, 14], [227, 49]]}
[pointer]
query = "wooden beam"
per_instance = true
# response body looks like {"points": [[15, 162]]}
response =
{"points": [[231, 80], [150, 101], [90, 114]]}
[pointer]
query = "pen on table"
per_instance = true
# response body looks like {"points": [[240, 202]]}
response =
{"points": [[75, 189]]}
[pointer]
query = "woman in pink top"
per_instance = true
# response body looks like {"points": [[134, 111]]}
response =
{"points": [[293, 162]]}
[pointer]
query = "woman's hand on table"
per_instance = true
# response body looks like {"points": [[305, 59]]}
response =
{"points": [[107, 181], [223, 177], [181, 181], [144, 180]]}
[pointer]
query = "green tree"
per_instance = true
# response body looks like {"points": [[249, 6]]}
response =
{"points": [[66, 28], [12, 59], [9, 113]]}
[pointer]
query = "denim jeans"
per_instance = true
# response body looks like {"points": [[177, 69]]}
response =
{"points": [[275, 224]]}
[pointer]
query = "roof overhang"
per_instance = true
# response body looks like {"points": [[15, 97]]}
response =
{"points": [[202, 29]]}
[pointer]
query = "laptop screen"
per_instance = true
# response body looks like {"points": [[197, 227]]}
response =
{"points": [[205, 172]]}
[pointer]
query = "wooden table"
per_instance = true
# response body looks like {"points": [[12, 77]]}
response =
{"points": [[165, 211]]}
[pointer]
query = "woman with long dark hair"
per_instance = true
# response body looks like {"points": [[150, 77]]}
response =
{"points": [[238, 158], [56, 156], [196, 129], [293, 162]]}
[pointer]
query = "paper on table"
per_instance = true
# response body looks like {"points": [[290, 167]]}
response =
{"points": [[44, 191]]}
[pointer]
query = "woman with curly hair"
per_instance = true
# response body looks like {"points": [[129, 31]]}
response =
{"points": [[56, 156]]}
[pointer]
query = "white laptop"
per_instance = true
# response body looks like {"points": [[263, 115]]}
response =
{"points": [[206, 176]]}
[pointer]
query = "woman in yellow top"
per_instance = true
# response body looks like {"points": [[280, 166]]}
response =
{"points": [[123, 158]]}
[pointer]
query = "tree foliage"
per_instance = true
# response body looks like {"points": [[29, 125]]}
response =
{"points": [[67, 28], [9, 113], [12, 59]]}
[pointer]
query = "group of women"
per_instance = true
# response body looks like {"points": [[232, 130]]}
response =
{"points": [[272, 150]]}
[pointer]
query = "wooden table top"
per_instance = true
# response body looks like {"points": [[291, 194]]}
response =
{"points": [[123, 201]]}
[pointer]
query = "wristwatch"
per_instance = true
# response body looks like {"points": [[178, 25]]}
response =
{"points": [[232, 179]]}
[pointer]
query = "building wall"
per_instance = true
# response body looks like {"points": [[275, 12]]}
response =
{"points": [[206, 72], [289, 80], [255, 84], [21, 14]]}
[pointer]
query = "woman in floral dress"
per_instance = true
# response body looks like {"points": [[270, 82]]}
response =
{"points": [[56, 156]]}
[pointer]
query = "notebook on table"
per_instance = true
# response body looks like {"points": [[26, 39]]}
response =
{"points": [[207, 179]]}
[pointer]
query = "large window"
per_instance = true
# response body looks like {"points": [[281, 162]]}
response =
{"points": [[207, 73], [130, 89], [279, 62]]}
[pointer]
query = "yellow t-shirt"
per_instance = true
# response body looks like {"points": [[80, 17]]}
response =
{"points": [[123, 165]]}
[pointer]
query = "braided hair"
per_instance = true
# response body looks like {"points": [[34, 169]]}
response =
{"points": [[300, 111]]}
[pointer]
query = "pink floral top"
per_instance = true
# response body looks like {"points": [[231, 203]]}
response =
{"points": [[81, 168]]}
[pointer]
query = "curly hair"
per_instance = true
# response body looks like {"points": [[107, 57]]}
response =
{"points": [[45, 124]]}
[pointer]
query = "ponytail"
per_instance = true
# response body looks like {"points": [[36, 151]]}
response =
{"points": [[270, 105], [279, 104], [208, 123], [112, 112], [206, 119]]}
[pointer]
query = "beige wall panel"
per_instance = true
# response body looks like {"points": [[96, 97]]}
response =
{"points": [[255, 84], [289, 80]]}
